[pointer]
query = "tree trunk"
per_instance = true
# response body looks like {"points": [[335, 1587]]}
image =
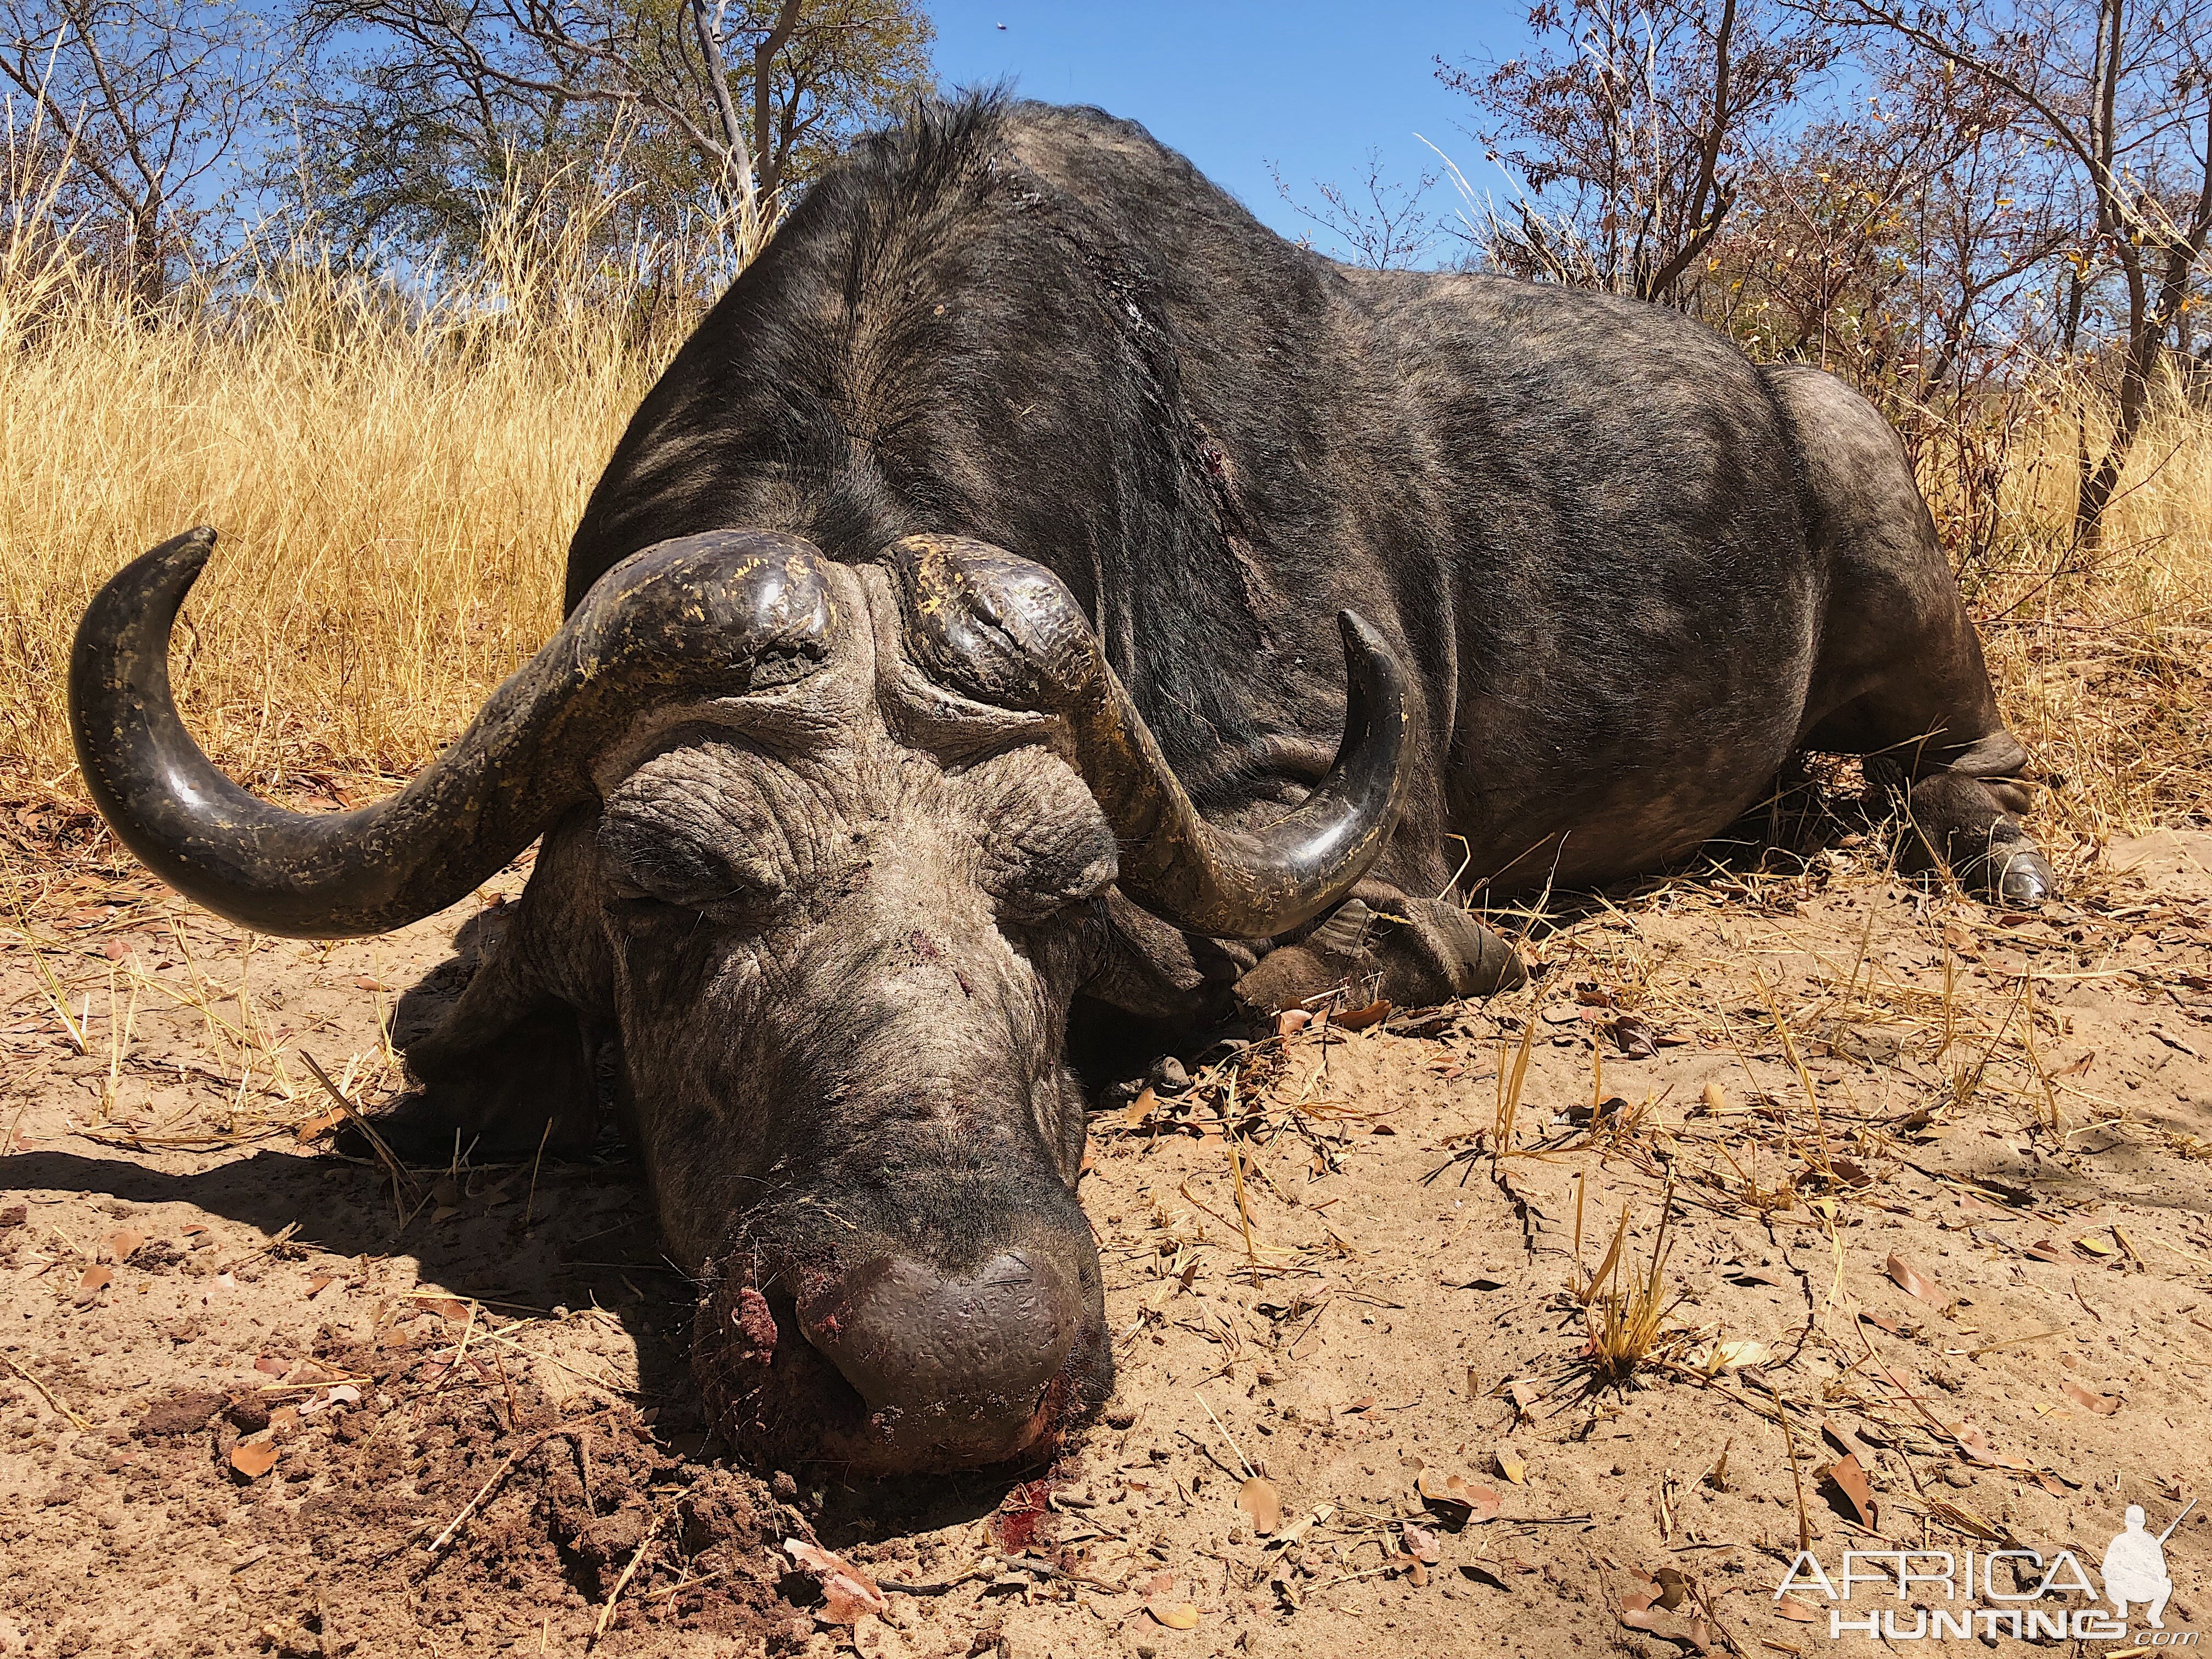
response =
{"points": [[2099, 482], [148, 276]]}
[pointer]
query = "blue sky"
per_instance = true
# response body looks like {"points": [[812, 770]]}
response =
{"points": [[1309, 87]]}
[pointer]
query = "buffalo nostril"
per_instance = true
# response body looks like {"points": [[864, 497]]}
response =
{"points": [[965, 1355]]}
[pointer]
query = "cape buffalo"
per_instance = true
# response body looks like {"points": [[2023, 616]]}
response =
{"points": [[1036, 580]]}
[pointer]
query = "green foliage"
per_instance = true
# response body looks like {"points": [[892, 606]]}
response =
{"points": [[691, 115]]}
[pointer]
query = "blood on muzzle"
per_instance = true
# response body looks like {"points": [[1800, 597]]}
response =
{"points": [[890, 1364]]}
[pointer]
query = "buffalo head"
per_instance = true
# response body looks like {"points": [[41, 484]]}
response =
{"points": [[828, 850]]}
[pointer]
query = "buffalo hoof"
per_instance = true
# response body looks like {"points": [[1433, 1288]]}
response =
{"points": [[1480, 962], [2013, 872], [2027, 881]]}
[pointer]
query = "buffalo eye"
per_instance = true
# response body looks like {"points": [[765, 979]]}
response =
{"points": [[651, 865], [1047, 872]]}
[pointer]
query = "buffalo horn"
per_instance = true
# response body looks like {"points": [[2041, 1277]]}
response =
{"points": [[712, 615], [1007, 631]]}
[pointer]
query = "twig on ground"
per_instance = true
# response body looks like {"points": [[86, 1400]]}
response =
{"points": [[1242, 1462], [607, 1613], [47, 1394], [1796, 1476], [569, 1430], [530, 1204]]}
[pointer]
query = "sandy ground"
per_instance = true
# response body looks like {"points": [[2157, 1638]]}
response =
{"points": [[1935, 1274]]}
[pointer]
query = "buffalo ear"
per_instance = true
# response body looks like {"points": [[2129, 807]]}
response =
{"points": [[512, 1063], [1151, 969]]}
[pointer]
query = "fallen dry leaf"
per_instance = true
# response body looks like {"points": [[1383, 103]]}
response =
{"points": [[95, 1279], [846, 1592], [1179, 1616], [1421, 1543], [365, 982], [1790, 1606], [345, 1393], [1139, 1108], [1975, 1442], [1259, 1500], [1634, 1038], [2104, 1404], [1716, 1358], [318, 1284], [1291, 1021], [1851, 1479], [1359, 1019], [1648, 1609], [124, 1244], [270, 1366], [1511, 1465], [1914, 1282], [321, 1123], [2095, 1247], [1479, 1501], [2046, 1249], [253, 1458]]}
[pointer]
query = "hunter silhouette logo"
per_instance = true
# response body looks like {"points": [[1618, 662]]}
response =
{"points": [[2135, 1567], [2011, 1591]]}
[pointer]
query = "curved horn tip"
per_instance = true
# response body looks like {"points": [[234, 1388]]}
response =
{"points": [[1358, 632], [178, 561], [195, 543], [145, 595]]}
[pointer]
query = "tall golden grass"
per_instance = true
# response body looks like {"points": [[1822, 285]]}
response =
{"points": [[395, 469], [395, 474], [2103, 656]]}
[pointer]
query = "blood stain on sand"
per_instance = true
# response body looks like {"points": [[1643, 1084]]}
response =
{"points": [[1024, 1517]]}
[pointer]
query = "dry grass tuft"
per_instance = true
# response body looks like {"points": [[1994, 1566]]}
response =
{"points": [[1627, 1315], [2103, 659]]}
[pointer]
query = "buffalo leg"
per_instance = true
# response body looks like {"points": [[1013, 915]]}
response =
{"points": [[1962, 800], [1381, 943], [1962, 821], [1900, 677]]}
